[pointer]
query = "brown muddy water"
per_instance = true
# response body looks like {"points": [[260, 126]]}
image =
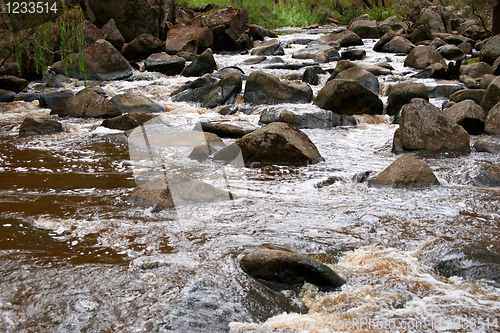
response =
{"points": [[76, 257]]}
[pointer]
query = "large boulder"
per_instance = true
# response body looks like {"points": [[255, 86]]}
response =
{"points": [[492, 95], [492, 123], [488, 176], [301, 117], [342, 37], [490, 51], [228, 87], [53, 99], [203, 64], [361, 75], [287, 270], [451, 52], [13, 83], [87, 105], [398, 44], [402, 93], [165, 64], [476, 70], [132, 17], [102, 62], [423, 56], [473, 94], [263, 88], [406, 171], [229, 26], [423, 127], [127, 121], [469, 115], [7, 96], [111, 33], [136, 102], [365, 28], [348, 97], [271, 47], [277, 143], [431, 18], [202, 35], [32, 126], [313, 51], [141, 47]]}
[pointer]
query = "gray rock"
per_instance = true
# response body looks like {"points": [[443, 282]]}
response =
{"points": [[353, 54], [398, 44], [492, 95], [273, 48], [490, 51], [201, 35], [32, 126], [423, 127], [127, 121], [313, 51], [487, 147], [165, 64], [451, 52], [476, 70], [263, 88], [225, 130], [420, 34], [488, 176], [288, 270], [423, 56], [53, 99], [310, 76], [348, 97], [112, 34], [492, 123], [406, 171], [365, 28], [469, 115], [203, 64], [402, 93], [96, 89], [228, 87], [274, 144], [7, 96], [300, 117], [57, 81], [361, 75], [141, 47], [136, 102], [13, 83], [87, 105], [392, 24], [342, 37], [473, 94]]}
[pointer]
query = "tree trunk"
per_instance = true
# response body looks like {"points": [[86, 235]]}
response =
{"points": [[368, 4], [496, 18]]}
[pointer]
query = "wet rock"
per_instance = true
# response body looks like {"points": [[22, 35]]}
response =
{"points": [[57, 81], [202, 35], [402, 93], [312, 51], [87, 105], [310, 76], [488, 176], [492, 95], [469, 115], [444, 88], [133, 17], [51, 100], [227, 88], [97, 90], [203, 152], [127, 121], [422, 56], [32, 126], [103, 62], [141, 47], [492, 123], [7, 96], [165, 64], [300, 117], [187, 191], [136, 102], [490, 50], [178, 46], [365, 28], [423, 127], [342, 37], [353, 54], [274, 144], [473, 94], [451, 52], [272, 47], [263, 88], [398, 44], [361, 75], [476, 70], [487, 147], [203, 64], [13, 83], [229, 26], [195, 91], [287, 270], [348, 97], [225, 130], [112, 34], [406, 171], [259, 33]]}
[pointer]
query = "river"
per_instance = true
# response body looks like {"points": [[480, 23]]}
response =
{"points": [[76, 257]]}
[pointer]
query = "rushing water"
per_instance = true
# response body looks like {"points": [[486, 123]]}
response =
{"points": [[76, 257]]}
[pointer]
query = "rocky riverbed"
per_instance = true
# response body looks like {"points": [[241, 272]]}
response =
{"points": [[325, 178]]}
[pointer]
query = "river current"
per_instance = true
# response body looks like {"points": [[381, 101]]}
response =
{"points": [[76, 257]]}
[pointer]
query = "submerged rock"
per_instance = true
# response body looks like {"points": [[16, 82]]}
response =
{"points": [[277, 143], [32, 126], [136, 102], [225, 130], [127, 121], [288, 270], [87, 105], [300, 117], [488, 176], [423, 127], [487, 147], [406, 171], [348, 97]]}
